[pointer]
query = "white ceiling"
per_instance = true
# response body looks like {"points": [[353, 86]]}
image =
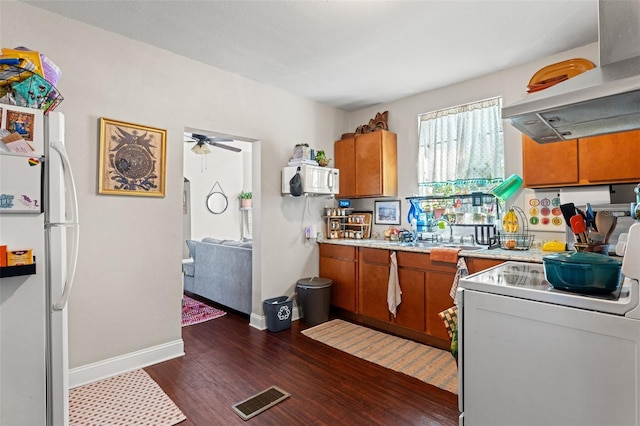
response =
{"points": [[349, 54]]}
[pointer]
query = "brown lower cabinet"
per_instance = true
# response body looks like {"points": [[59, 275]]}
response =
{"points": [[373, 281], [360, 283], [340, 264]]}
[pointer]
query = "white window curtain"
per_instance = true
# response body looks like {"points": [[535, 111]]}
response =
{"points": [[461, 143]]}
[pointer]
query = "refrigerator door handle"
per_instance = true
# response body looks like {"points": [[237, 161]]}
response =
{"points": [[70, 185]]}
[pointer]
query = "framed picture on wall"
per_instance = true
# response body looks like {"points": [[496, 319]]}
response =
{"points": [[387, 212], [132, 159]]}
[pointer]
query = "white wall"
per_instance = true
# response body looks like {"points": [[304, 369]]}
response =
{"points": [[229, 170], [127, 294], [403, 120]]}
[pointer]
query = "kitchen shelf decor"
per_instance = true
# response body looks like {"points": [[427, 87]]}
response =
{"points": [[477, 210], [348, 224]]}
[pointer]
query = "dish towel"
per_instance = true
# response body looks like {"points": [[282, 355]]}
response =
{"points": [[394, 292], [444, 254], [462, 271]]}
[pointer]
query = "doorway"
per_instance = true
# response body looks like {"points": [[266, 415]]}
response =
{"points": [[214, 177], [230, 173]]}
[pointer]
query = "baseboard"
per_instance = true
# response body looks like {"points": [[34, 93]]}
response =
{"points": [[90, 373], [260, 321]]}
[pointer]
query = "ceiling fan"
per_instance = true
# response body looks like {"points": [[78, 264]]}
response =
{"points": [[202, 141]]}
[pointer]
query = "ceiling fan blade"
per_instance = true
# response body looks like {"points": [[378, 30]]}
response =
{"points": [[223, 146], [211, 140]]}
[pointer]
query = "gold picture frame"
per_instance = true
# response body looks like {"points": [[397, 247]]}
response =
{"points": [[132, 159]]}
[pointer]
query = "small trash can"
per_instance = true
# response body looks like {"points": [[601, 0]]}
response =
{"points": [[314, 299], [277, 313]]}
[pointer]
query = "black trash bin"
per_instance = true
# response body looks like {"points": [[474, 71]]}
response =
{"points": [[277, 313], [314, 299]]}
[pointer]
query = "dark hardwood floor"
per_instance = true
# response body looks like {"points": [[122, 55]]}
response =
{"points": [[228, 361]]}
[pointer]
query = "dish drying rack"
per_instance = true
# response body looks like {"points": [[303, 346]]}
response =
{"points": [[521, 240]]}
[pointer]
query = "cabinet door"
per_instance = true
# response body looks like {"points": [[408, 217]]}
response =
{"points": [[438, 299], [610, 158], [373, 281], [338, 263], [344, 152], [412, 310], [376, 164], [477, 264], [549, 164]]}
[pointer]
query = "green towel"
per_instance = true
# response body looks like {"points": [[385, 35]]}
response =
{"points": [[454, 341]]}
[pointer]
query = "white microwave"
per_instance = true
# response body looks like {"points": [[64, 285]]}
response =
{"points": [[315, 179]]}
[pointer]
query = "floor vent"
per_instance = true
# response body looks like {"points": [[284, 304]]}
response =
{"points": [[258, 403]]}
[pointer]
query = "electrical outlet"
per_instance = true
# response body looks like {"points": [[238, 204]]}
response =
{"points": [[310, 231]]}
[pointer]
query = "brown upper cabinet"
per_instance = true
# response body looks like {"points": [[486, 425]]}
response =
{"points": [[368, 165], [605, 159], [549, 164], [610, 158]]}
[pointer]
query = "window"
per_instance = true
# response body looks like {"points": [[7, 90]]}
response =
{"points": [[462, 145]]}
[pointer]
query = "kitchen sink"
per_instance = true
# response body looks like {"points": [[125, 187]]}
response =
{"points": [[462, 247], [421, 244], [425, 244], [429, 244]]}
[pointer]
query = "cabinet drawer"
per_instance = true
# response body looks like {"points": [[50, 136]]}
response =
{"points": [[374, 255], [412, 260], [476, 264], [423, 261], [341, 252]]}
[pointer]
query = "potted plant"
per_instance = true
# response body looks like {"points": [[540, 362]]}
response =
{"points": [[322, 159], [245, 199]]}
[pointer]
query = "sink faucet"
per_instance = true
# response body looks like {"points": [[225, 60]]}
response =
{"points": [[450, 227]]}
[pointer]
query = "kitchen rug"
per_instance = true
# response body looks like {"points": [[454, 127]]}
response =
{"points": [[132, 398], [431, 365], [194, 312]]}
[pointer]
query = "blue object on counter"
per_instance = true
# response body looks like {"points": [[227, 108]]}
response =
{"points": [[415, 212], [582, 272]]}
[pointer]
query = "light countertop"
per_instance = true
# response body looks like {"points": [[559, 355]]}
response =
{"points": [[531, 255]]}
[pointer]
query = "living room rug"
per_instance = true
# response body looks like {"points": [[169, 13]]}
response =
{"points": [[431, 365], [132, 398], [195, 312]]}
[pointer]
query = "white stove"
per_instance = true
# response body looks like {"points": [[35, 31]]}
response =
{"points": [[527, 281], [530, 354]]}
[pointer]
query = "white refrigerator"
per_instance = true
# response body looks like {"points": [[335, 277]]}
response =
{"points": [[38, 211]]}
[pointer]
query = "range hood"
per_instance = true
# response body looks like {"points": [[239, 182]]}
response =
{"points": [[605, 99]]}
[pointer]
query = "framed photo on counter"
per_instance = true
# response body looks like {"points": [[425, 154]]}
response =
{"points": [[387, 212]]}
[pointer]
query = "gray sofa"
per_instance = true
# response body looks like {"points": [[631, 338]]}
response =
{"points": [[220, 272]]}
